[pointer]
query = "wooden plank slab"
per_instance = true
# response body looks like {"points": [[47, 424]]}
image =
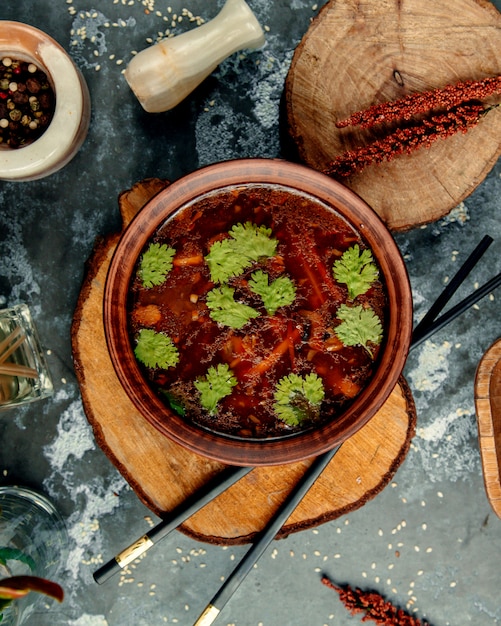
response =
{"points": [[488, 408], [355, 54]]}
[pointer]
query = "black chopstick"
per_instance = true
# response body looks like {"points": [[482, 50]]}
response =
{"points": [[215, 606], [452, 286], [189, 507], [259, 546], [427, 327], [457, 310]]}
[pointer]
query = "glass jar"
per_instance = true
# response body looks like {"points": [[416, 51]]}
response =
{"points": [[33, 542], [68, 128], [24, 373]]}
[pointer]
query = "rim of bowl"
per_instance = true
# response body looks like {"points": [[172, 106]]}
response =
{"points": [[298, 178]]}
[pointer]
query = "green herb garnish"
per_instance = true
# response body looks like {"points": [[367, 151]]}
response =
{"points": [[155, 264], [298, 399], [356, 269], [226, 310], [246, 244], [253, 241], [175, 402], [280, 292], [217, 384], [223, 261], [358, 326], [156, 349]]}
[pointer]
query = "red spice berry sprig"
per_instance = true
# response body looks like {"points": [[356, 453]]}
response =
{"points": [[374, 607], [422, 102], [421, 133]]}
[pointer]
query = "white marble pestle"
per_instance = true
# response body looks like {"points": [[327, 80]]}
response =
{"points": [[164, 74]]}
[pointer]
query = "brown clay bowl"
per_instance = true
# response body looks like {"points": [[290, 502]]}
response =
{"points": [[392, 354]]}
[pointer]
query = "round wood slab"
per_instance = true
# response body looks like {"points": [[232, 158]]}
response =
{"points": [[163, 474], [360, 53], [488, 408]]}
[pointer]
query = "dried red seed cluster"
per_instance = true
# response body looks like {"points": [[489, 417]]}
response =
{"points": [[374, 607], [422, 133], [445, 98], [425, 117]]}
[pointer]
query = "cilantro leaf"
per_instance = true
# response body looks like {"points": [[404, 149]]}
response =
{"points": [[217, 384], [356, 269], [174, 401], [358, 326], [224, 262], [155, 264], [155, 349], [246, 244], [280, 292], [298, 399], [226, 310], [253, 241]]}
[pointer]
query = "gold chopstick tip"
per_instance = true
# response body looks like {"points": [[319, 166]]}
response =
{"points": [[134, 551], [208, 616]]}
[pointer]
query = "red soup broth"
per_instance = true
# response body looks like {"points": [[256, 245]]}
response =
{"points": [[299, 338]]}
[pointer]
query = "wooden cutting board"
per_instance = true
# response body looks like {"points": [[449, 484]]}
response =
{"points": [[357, 53], [488, 407], [163, 474]]}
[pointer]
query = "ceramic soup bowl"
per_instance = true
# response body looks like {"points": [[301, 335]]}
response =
{"points": [[257, 312]]}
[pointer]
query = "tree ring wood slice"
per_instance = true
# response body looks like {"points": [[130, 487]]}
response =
{"points": [[488, 408], [163, 474], [357, 53]]}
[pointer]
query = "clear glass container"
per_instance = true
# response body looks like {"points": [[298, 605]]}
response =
{"points": [[24, 373], [33, 541], [68, 128]]}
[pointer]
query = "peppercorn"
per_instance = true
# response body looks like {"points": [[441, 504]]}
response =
{"points": [[27, 102]]}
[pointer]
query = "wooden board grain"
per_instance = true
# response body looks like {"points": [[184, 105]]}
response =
{"points": [[163, 474], [488, 408], [357, 53]]}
